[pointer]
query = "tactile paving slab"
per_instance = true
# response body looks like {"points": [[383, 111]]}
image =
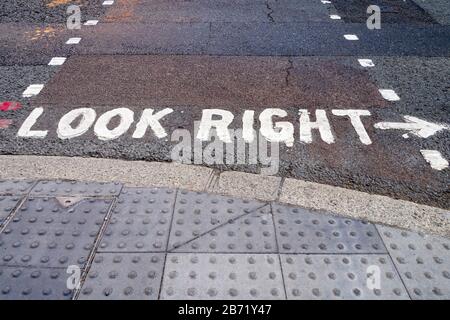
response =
{"points": [[44, 233], [213, 223], [34, 284], [341, 277], [423, 262], [75, 188], [302, 231], [124, 276], [140, 221], [15, 187], [222, 276], [7, 205]]}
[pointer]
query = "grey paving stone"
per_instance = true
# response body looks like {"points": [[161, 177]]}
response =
{"points": [[75, 188], [340, 277], [124, 276], [7, 205], [33, 284], [205, 222], [301, 231], [44, 233], [222, 276], [140, 221], [423, 262], [15, 187], [252, 233]]}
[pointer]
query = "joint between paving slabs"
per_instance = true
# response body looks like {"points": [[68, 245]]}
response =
{"points": [[167, 243], [392, 261], [278, 249], [170, 250], [16, 208], [93, 252]]}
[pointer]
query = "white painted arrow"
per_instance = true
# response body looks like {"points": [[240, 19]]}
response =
{"points": [[416, 126]]}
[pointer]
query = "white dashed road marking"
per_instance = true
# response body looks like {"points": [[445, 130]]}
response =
{"points": [[57, 61], [389, 94], [32, 90], [91, 23], [325, 1], [366, 63], [435, 159], [108, 2], [351, 37], [335, 17], [73, 41]]}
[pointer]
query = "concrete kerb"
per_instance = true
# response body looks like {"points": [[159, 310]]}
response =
{"points": [[318, 197]]}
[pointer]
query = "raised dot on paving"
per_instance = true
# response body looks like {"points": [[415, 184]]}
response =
{"points": [[91, 23], [222, 276], [15, 187], [302, 231], [389, 94], [7, 205], [76, 188], [45, 233], [34, 284], [212, 223], [128, 276], [351, 37], [423, 262], [366, 63], [140, 221], [57, 61], [365, 277], [32, 90], [73, 41]]}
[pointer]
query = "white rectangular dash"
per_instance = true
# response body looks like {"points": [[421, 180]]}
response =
{"points": [[57, 61], [435, 159], [351, 37], [32, 90], [366, 63], [335, 17], [73, 41], [325, 1], [389, 94], [91, 23], [108, 2]]}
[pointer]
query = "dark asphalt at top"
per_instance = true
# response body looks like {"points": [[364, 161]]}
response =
{"points": [[115, 66]]}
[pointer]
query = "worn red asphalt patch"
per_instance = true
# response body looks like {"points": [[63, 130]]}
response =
{"points": [[10, 106], [211, 82]]}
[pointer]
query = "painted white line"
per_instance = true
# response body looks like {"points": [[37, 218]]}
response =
{"points": [[335, 17], [91, 23], [325, 1], [389, 94], [32, 90], [351, 37], [108, 2], [366, 63], [435, 159], [413, 125], [73, 41], [57, 61]]}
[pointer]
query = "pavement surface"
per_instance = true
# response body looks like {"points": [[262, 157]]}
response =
{"points": [[316, 62], [237, 56], [77, 240]]}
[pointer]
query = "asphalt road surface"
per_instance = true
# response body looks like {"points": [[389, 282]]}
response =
{"points": [[240, 55]]}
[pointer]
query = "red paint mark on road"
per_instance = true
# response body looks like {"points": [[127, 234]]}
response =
{"points": [[5, 123], [10, 106]]}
